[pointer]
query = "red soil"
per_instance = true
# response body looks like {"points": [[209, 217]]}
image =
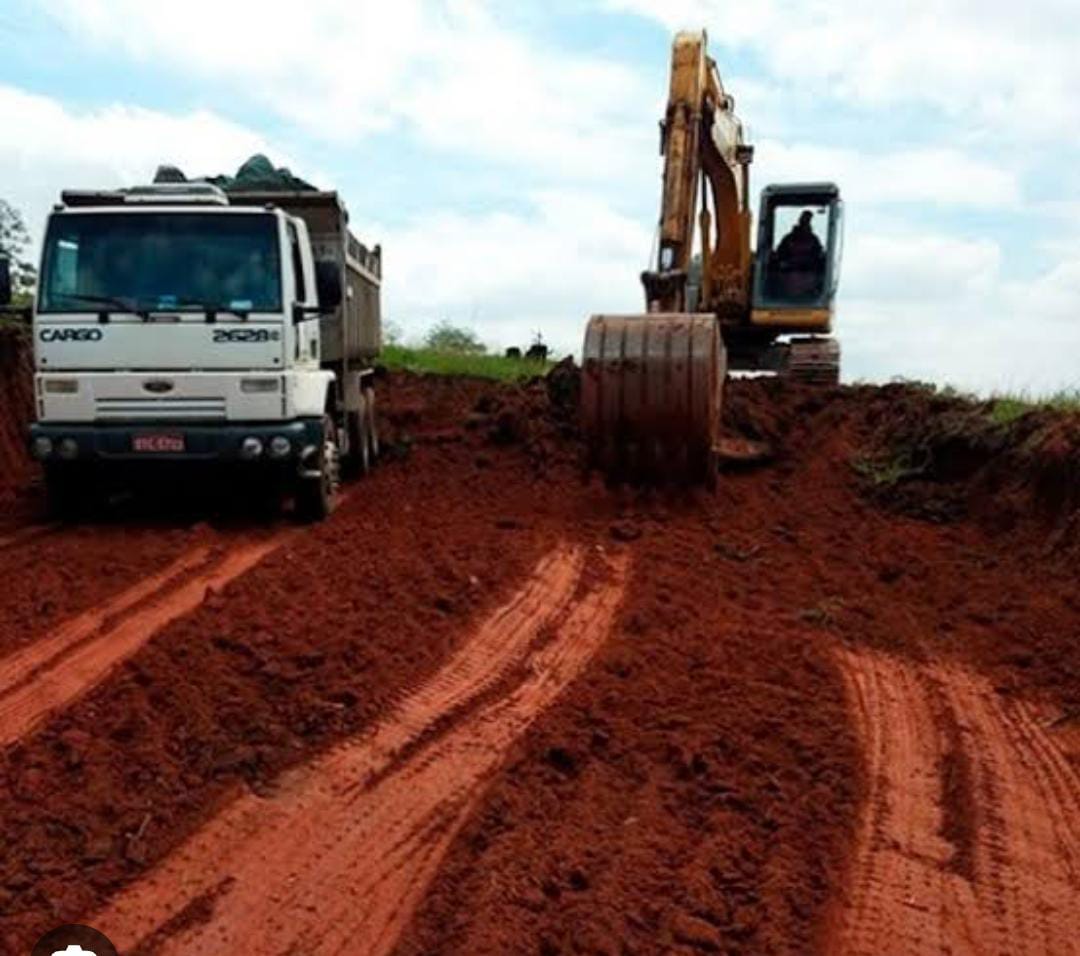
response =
{"points": [[702, 788], [309, 647], [54, 573], [719, 763], [16, 409], [375, 815], [969, 838]]}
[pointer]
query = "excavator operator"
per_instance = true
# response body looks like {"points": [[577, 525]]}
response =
{"points": [[801, 249], [800, 258]]}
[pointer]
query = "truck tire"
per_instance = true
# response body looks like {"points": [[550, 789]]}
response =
{"points": [[372, 427], [317, 496]]}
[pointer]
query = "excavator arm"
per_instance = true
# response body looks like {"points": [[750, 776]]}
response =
{"points": [[704, 155]]}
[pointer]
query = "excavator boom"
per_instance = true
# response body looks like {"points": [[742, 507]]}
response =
{"points": [[704, 154]]}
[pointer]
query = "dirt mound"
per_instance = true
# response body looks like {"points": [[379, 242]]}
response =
{"points": [[698, 789], [16, 410], [537, 418], [944, 458], [691, 792]]}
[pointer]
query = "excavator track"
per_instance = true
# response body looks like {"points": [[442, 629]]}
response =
{"points": [[651, 395], [813, 361]]}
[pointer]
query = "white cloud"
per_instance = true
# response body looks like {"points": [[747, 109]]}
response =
{"points": [[445, 70], [919, 267], [939, 175], [1052, 298], [115, 146], [509, 275], [941, 309], [978, 344], [1005, 67], [338, 63]]}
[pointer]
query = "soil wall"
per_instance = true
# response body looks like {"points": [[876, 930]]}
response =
{"points": [[16, 410]]}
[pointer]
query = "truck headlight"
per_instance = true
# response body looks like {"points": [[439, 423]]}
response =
{"points": [[41, 448], [259, 386], [68, 449], [280, 446], [61, 386], [251, 448]]}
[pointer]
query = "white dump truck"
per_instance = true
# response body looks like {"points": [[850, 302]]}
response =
{"points": [[179, 323]]}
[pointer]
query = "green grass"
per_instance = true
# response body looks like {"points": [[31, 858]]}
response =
{"points": [[885, 472], [432, 362], [1007, 408]]}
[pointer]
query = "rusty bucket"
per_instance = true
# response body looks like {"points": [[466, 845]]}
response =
{"points": [[651, 394]]}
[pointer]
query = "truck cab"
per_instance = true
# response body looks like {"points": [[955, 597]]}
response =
{"points": [[177, 324]]}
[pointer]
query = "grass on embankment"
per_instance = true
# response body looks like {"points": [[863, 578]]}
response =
{"points": [[1008, 408], [433, 362]]}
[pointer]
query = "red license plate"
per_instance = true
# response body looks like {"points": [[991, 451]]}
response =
{"points": [[159, 444]]}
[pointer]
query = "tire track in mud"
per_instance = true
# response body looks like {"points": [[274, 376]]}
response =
{"points": [[976, 860], [62, 666], [335, 860], [28, 533]]}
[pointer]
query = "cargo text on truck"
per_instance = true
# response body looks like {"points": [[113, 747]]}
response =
{"points": [[185, 323]]}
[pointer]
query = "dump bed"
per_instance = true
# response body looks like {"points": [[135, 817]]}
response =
{"points": [[354, 331]]}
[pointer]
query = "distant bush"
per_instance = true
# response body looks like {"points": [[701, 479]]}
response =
{"points": [[447, 337], [392, 333], [14, 243], [426, 361]]}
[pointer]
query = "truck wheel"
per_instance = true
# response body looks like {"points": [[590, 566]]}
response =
{"points": [[69, 492], [372, 427], [317, 496]]}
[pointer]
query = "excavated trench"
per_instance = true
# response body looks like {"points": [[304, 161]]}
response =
{"points": [[490, 707]]}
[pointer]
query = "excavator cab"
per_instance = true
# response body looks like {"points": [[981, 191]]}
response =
{"points": [[797, 262]]}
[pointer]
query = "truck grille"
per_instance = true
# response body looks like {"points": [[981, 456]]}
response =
{"points": [[159, 409]]}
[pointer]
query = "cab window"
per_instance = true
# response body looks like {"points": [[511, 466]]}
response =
{"points": [[797, 258]]}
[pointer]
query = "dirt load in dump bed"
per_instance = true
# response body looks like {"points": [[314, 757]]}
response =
{"points": [[489, 707]]}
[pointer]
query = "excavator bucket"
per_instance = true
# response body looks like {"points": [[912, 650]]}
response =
{"points": [[651, 394]]}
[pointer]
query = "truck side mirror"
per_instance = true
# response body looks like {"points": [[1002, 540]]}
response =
{"points": [[328, 285], [5, 283]]}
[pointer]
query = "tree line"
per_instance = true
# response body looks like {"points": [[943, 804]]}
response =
{"points": [[14, 246]]}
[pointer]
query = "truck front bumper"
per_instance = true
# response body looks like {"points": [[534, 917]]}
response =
{"points": [[257, 442]]}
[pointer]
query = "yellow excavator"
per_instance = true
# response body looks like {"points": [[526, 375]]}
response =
{"points": [[652, 384]]}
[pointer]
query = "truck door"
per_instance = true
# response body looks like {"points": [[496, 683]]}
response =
{"points": [[307, 330]]}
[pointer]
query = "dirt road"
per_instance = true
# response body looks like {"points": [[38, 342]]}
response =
{"points": [[488, 708], [335, 858], [70, 661], [969, 840]]}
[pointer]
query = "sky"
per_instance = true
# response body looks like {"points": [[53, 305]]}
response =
{"points": [[505, 154]]}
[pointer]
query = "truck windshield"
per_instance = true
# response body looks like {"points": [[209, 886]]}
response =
{"points": [[174, 261]]}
